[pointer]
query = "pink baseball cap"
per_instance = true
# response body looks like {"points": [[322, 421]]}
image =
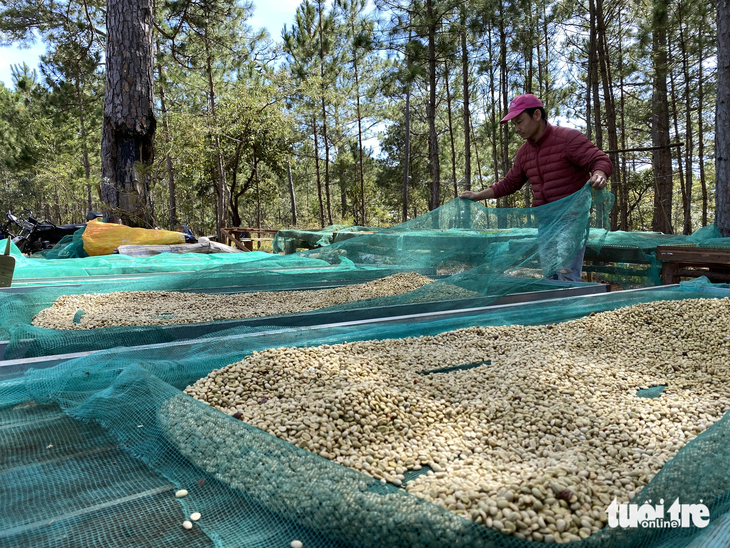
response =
{"points": [[519, 104]]}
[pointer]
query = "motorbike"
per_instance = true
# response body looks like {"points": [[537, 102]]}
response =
{"points": [[35, 235]]}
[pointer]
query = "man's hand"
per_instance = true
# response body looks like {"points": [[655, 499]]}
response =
{"points": [[469, 195], [598, 179], [486, 194]]}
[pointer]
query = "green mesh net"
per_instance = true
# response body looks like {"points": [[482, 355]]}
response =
{"points": [[473, 253], [289, 240], [92, 451], [70, 247], [630, 258]]}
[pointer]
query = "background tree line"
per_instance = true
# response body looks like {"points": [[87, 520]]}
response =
{"points": [[360, 114]]}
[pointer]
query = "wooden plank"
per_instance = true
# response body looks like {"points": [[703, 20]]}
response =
{"points": [[7, 266], [673, 272], [670, 273], [231, 238], [248, 242], [694, 255], [238, 230], [712, 274]]}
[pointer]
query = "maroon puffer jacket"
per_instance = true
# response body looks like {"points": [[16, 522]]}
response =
{"points": [[557, 165]]}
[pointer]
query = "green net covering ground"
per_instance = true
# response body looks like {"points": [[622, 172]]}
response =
{"points": [[70, 247], [92, 451]]}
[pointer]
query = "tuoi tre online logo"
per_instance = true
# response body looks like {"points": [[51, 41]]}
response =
{"points": [[648, 516]]}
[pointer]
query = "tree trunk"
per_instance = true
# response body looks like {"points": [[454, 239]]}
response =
{"points": [[662, 158], [608, 100], [359, 125], [492, 113], [316, 167], [326, 163], [700, 117], [407, 159], [324, 119], [467, 114], [530, 76], [623, 186], [128, 128], [258, 189], [291, 195], [545, 68], [593, 56], [722, 120], [688, 135], [234, 198], [527, 189], [503, 78], [451, 131], [546, 93], [675, 120], [342, 182], [84, 147], [476, 156], [589, 74], [433, 142], [221, 188], [171, 202], [56, 203]]}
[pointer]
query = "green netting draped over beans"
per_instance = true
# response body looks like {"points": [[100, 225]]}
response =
{"points": [[456, 236], [92, 451], [628, 258], [114, 265], [17, 310], [473, 251]]}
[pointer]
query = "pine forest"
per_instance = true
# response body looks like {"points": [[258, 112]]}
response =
{"points": [[360, 112]]}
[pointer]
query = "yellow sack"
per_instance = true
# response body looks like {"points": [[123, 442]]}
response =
{"points": [[103, 238]]}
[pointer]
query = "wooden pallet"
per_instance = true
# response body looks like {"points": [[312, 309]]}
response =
{"points": [[693, 262], [236, 236]]}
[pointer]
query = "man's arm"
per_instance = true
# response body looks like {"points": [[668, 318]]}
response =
{"points": [[512, 182], [582, 152], [486, 194]]}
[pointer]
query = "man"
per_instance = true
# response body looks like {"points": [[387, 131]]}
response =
{"points": [[557, 161]]}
